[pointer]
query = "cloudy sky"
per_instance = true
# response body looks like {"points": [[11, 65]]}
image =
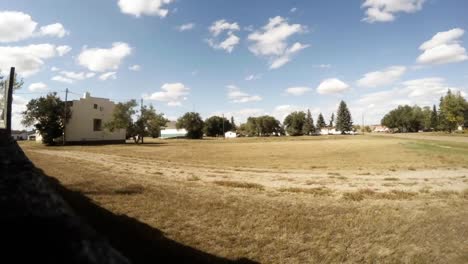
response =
{"points": [[240, 58]]}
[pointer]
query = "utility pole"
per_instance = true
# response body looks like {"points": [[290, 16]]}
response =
{"points": [[362, 129], [65, 117], [9, 100], [224, 135]]}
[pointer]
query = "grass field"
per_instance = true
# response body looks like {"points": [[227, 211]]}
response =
{"points": [[341, 199]]}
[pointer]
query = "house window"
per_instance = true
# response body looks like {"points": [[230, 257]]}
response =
{"points": [[95, 106], [97, 125]]}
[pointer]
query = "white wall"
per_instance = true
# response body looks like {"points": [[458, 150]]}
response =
{"points": [[80, 125]]}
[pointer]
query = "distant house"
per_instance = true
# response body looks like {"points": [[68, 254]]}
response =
{"points": [[230, 134], [86, 125], [380, 129], [170, 131], [329, 131], [19, 135]]}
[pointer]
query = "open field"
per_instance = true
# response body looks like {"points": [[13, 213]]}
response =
{"points": [[284, 200]]}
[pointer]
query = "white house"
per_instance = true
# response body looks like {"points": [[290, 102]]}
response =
{"points": [[86, 125], [230, 134], [19, 135], [170, 131], [381, 129]]}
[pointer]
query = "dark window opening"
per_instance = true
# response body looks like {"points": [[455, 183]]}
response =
{"points": [[97, 125], [95, 106]]}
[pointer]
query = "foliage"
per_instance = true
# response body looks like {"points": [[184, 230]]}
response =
{"points": [[216, 126], [294, 123], [332, 119], [308, 128], [263, 126], [48, 117], [233, 124], [148, 123], [404, 119], [434, 119], [16, 86], [193, 123], [320, 122], [452, 111], [344, 120]]}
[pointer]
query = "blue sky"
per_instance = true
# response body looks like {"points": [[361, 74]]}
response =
{"points": [[239, 58]]}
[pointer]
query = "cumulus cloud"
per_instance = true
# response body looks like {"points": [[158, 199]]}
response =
{"points": [[237, 96], [230, 40], [297, 91], [135, 67], [37, 87], [54, 30], [385, 10], [186, 27], [59, 78], [101, 60], [332, 86], [253, 77], [443, 47], [145, 7], [54, 69], [172, 93], [271, 41], [15, 26], [383, 77], [28, 60], [71, 77], [423, 92], [108, 76], [62, 50]]}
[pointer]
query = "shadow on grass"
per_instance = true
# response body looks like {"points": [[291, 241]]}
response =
{"points": [[135, 240]]}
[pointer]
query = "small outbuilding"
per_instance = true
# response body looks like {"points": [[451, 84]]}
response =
{"points": [[230, 134]]}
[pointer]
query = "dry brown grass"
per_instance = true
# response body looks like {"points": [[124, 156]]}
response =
{"points": [[236, 184], [239, 218]]}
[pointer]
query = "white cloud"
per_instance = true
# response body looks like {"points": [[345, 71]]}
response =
{"points": [[18, 107], [100, 60], [323, 66], [253, 77], [135, 67], [15, 26], [271, 41], [423, 92], [59, 78], [186, 27], [53, 30], [28, 60], [37, 87], [237, 96], [172, 93], [443, 47], [297, 91], [332, 86], [293, 10], [384, 10], [222, 25], [78, 76], [145, 7], [108, 76], [231, 40], [54, 69], [383, 77], [62, 50]]}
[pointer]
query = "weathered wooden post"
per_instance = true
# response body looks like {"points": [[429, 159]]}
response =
{"points": [[9, 100]]}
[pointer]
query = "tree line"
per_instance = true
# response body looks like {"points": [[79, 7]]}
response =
{"points": [[452, 113]]}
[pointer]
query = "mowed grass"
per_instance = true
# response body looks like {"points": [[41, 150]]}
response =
{"points": [[240, 219], [331, 153]]}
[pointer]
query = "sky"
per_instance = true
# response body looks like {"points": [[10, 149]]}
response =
{"points": [[239, 58]]}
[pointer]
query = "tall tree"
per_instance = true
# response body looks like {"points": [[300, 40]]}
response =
{"points": [[152, 121], [320, 122], [308, 128], [48, 117], [452, 111], [434, 118], [332, 119], [233, 124], [344, 122], [263, 126], [294, 123], [193, 123], [216, 126]]}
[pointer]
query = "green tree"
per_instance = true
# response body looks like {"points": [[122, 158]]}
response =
{"points": [[332, 119], [294, 123], [308, 128], [216, 126], [263, 126], [320, 122], [152, 121], [4, 82], [193, 123], [344, 122], [452, 111], [233, 124], [434, 119], [404, 119], [47, 115]]}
